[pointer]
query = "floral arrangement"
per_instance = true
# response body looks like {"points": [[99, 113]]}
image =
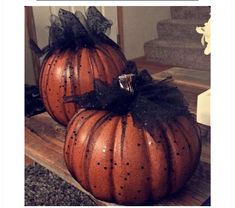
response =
{"points": [[206, 34]]}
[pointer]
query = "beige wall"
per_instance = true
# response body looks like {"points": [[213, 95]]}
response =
{"points": [[140, 26], [29, 72]]}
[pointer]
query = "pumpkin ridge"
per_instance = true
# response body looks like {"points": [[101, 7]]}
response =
{"points": [[198, 133], [65, 71], [68, 142], [182, 159], [78, 125], [195, 131], [113, 190], [91, 61], [45, 95], [183, 130], [62, 73], [149, 165], [77, 77], [86, 81], [118, 68], [79, 121], [106, 52], [77, 59], [42, 79], [124, 123], [72, 80], [89, 139], [108, 184], [168, 151], [116, 157], [95, 68], [195, 161], [159, 137], [199, 144], [97, 62], [173, 176], [158, 187], [108, 66], [118, 55], [69, 90], [103, 66]]}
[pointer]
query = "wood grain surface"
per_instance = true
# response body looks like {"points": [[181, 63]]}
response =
{"points": [[152, 67], [190, 81]]}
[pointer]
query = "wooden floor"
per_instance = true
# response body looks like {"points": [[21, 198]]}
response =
{"points": [[152, 67], [27, 161]]}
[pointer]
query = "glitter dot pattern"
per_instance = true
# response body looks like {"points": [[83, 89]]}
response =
{"points": [[72, 73], [128, 173]]}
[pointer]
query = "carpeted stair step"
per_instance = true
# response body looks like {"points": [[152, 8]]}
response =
{"points": [[190, 12], [188, 54], [179, 29]]}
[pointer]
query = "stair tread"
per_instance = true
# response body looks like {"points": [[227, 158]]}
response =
{"points": [[174, 44], [178, 43], [196, 22], [190, 12], [186, 76]]}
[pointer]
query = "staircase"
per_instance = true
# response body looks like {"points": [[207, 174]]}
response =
{"points": [[178, 43]]}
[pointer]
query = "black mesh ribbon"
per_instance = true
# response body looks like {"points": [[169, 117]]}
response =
{"points": [[74, 31], [151, 103]]}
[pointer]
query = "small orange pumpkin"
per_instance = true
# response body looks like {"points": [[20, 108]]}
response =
{"points": [[71, 73], [119, 162]]}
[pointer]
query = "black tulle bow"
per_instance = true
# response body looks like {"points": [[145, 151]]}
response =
{"points": [[73, 31], [151, 102]]}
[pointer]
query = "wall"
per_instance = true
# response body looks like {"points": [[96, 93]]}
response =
{"points": [[140, 26], [29, 72]]}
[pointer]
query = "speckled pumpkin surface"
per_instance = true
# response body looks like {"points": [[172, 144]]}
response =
{"points": [[70, 73], [118, 162]]}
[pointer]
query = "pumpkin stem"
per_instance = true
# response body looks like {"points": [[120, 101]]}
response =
{"points": [[125, 82]]}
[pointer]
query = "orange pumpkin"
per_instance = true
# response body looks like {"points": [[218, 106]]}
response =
{"points": [[118, 162], [70, 73]]}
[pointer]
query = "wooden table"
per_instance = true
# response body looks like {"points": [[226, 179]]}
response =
{"points": [[190, 81], [44, 140]]}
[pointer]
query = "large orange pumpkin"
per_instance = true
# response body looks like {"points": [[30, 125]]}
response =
{"points": [[70, 73], [118, 162]]}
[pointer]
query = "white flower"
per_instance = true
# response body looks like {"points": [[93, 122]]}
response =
{"points": [[206, 34]]}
